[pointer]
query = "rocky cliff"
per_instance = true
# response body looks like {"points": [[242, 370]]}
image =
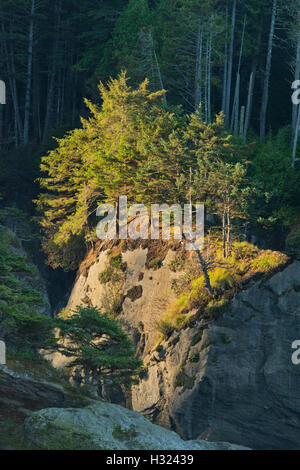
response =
{"points": [[232, 379], [229, 379]]}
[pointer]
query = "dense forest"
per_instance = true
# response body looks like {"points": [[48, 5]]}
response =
{"points": [[219, 80]]}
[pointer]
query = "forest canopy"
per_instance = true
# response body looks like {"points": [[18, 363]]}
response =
{"points": [[219, 69]]}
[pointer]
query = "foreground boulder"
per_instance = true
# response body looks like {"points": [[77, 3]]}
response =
{"points": [[104, 426]]}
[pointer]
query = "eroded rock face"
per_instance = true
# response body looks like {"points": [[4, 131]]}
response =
{"points": [[229, 380], [152, 288], [24, 392], [104, 426], [238, 382]]}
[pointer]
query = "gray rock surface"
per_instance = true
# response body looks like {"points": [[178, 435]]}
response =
{"points": [[105, 426], [238, 383], [22, 391]]}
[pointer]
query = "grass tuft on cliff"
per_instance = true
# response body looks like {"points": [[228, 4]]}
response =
{"points": [[246, 263]]}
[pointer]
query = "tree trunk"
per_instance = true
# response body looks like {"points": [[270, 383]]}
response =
{"points": [[206, 82], [228, 241], [265, 96], [205, 272], [224, 234], [242, 121], [235, 111], [249, 106], [251, 85], [159, 75], [225, 66], [209, 80], [52, 74], [29, 75], [296, 77], [198, 73], [296, 135], [237, 83], [230, 63]]}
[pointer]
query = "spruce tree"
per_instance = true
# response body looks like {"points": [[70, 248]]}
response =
{"points": [[99, 347]]}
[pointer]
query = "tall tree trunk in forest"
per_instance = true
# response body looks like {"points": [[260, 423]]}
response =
{"points": [[235, 106], [224, 233], [228, 240], [198, 73], [235, 111], [225, 66], [18, 124], [1, 123], [242, 121], [296, 135], [29, 75], [206, 82], [149, 52], [251, 84], [159, 74], [230, 64], [296, 77], [52, 73], [36, 101], [249, 105], [209, 80], [8, 50], [296, 108], [11, 71], [265, 95]]}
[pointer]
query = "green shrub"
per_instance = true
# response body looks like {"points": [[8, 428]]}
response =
{"points": [[181, 305], [165, 327], [216, 307], [97, 343], [226, 340], [177, 264], [116, 305], [21, 325], [179, 381], [194, 357], [154, 264], [199, 298], [222, 279], [142, 371], [109, 275], [269, 260], [197, 338], [117, 263], [180, 284], [244, 250]]}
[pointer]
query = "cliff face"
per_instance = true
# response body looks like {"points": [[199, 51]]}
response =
{"points": [[144, 293], [231, 379], [238, 382]]}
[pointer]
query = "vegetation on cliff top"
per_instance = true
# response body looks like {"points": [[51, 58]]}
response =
{"points": [[246, 263]]}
